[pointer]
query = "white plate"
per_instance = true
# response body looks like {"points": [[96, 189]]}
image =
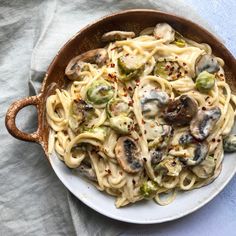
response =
{"points": [[144, 212]]}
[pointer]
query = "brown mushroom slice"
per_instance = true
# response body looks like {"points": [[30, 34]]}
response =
{"points": [[117, 35], [97, 56], [181, 111], [128, 155], [204, 122], [207, 63], [165, 32], [200, 152], [87, 172]]}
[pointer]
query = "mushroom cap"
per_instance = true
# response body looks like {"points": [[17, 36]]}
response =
{"points": [[152, 100], [181, 111], [203, 123], [164, 31], [230, 143], [201, 150], [96, 56], [207, 63], [117, 35], [128, 155]]}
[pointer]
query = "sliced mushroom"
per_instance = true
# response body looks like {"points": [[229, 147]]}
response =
{"points": [[152, 100], [206, 168], [117, 35], [128, 155], [87, 172], [200, 152], [164, 31], [230, 143], [181, 111], [96, 56], [156, 156], [207, 63], [204, 122]]}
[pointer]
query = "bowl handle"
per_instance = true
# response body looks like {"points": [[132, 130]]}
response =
{"points": [[11, 118]]}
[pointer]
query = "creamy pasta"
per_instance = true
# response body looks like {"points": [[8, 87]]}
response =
{"points": [[144, 117]]}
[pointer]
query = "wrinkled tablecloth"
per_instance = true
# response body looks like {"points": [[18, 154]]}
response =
{"points": [[32, 199]]}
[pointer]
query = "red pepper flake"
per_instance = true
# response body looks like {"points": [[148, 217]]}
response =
{"points": [[127, 54], [179, 75], [130, 89], [112, 65], [218, 140], [130, 103], [125, 94], [213, 140], [113, 48], [167, 67], [184, 64], [145, 131], [221, 75], [173, 163], [121, 173], [186, 72], [143, 122], [108, 171], [203, 108]]}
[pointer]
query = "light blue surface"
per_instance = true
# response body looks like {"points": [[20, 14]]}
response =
{"points": [[221, 16]]}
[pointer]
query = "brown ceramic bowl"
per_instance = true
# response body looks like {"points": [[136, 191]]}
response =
{"points": [[89, 38]]}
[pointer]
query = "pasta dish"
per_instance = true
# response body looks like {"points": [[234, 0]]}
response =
{"points": [[146, 116]]}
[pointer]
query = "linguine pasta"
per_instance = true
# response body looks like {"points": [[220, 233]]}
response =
{"points": [[143, 117]]}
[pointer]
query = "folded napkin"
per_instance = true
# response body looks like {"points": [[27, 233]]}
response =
{"points": [[33, 200]]}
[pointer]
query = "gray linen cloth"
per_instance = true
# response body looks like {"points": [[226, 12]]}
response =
{"points": [[32, 199]]}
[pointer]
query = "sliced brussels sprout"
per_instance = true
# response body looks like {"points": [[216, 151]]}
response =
{"points": [[100, 92], [180, 43], [121, 124], [167, 69], [230, 143], [79, 109], [130, 63], [130, 66], [170, 166], [148, 189], [205, 82], [100, 132], [179, 40], [116, 107]]}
